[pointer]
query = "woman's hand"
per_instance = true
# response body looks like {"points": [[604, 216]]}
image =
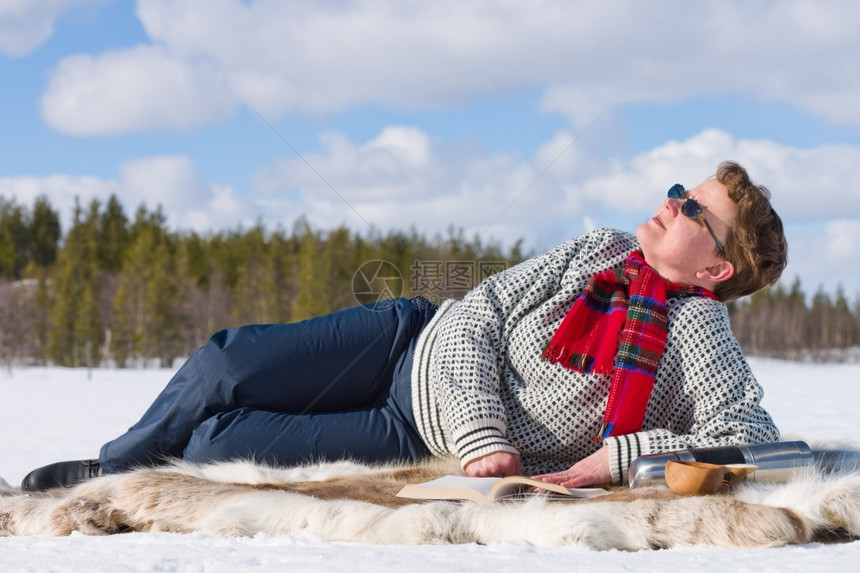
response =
{"points": [[495, 464], [590, 471]]}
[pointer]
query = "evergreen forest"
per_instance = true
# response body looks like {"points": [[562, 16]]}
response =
{"points": [[118, 290]]}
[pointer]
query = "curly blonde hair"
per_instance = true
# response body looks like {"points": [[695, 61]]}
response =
{"points": [[756, 244]]}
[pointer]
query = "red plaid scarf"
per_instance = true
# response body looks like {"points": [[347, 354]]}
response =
{"points": [[619, 326]]}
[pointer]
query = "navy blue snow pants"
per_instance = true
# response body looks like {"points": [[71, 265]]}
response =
{"points": [[332, 387]]}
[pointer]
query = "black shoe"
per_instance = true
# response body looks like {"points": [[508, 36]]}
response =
{"points": [[61, 474]]}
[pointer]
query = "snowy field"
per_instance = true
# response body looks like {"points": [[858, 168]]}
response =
{"points": [[48, 415]]}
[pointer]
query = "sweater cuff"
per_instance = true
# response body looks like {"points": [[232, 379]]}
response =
{"points": [[623, 451], [481, 441]]}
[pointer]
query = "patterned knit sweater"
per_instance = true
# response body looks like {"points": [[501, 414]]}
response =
{"points": [[479, 384]]}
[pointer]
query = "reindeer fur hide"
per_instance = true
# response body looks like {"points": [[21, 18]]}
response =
{"points": [[350, 502]]}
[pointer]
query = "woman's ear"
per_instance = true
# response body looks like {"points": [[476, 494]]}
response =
{"points": [[717, 273]]}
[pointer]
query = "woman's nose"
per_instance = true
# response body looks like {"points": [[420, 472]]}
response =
{"points": [[674, 205]]}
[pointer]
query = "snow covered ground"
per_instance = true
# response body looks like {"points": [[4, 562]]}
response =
{"points": [[54, 414]]}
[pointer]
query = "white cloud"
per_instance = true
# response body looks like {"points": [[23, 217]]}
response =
{"points": [[402, 178], [61, 191], [406, 146], [843, 242], [171, 182], [139, 89], [823, 255], [189, 201], [27, 24], [281, 57], [220, 209]]}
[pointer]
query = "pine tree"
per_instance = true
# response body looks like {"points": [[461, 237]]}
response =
{"points": [[283, 259], [202, 298], [114, 236], [38, 313], [13, 229], [821, 322], [339, 263], [44, 233], [844, 328], [313, 297], [122, 342], [254, 294], [75, 336], [146, 295], [795, 327]]}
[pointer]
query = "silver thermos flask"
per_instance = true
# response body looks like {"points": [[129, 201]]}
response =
{"points": [[775, 461]]}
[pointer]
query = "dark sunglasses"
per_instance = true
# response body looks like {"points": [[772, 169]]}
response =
{"points": [[691, 208]]}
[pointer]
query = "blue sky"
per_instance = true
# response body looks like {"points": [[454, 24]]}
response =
{"points": [[533, 120]]}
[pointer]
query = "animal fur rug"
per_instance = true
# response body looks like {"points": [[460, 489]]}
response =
{"points": [[349, 502]]}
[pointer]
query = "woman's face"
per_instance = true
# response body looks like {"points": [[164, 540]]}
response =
{"points": [[680, 248]]}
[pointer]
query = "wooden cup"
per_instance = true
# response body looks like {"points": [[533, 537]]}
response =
{"points": [[700, 478]]}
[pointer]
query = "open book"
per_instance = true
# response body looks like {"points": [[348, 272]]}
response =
{"points": [[492, 488]]}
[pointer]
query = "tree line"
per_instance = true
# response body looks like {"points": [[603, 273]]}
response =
{"points": [[783, 322], [125, 291]]}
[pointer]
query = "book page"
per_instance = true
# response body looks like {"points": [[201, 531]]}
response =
{"points": [[490, 488], [457, 487], [522, 487], [578, 492], [481, 484]]}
